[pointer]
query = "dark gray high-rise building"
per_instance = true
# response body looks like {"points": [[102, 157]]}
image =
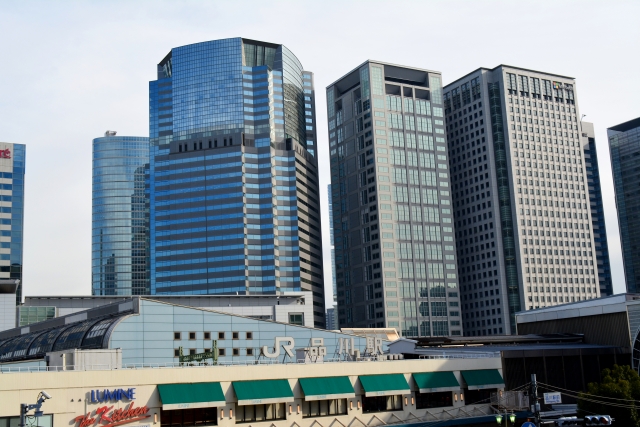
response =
{"points": [[333, 256], [597, 209], [393, 224], [233, 189], [120, 225], [520, 195], [624, 145]]}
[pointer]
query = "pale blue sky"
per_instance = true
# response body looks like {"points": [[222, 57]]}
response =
{"points": [[71, 70]]}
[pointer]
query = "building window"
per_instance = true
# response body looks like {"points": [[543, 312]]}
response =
{"points": [[176, 352], [236, 352], [249, 335], [221, 352], [474, 396], [189, 417], [207, 335], [177, 336], [192, 335], [296, 319], [433, 400], [192, 351], [382, 403], [235, 335], [249, 352], [253, 413], [322, 408], [220, 335]]}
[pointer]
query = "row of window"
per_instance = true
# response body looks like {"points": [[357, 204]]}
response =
{"points": [[221, 351], [311, 409], [207, 335]]}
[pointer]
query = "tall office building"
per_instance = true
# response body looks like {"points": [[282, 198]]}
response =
{"points": [[393, 224], [521, 197], [119, 217], [624, 145], [597, 209], [332, 322], [12, 172], [234, 193], [333, 251]]}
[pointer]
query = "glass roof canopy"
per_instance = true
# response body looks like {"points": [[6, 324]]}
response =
{"points": [[86, 334]]}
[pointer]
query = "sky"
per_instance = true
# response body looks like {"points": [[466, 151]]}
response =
{"points": [[71, 70]]}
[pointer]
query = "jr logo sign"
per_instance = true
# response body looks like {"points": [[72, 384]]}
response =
{"points": [[288, 347]]}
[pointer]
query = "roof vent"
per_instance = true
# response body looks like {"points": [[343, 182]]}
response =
{"points": [[110, 133]]}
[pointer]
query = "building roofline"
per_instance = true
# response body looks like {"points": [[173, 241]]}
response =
{"points": [[573, 309], [382, 63], [509, 66], [116, 309], [213, 310], [628, 125], [221, 296]]}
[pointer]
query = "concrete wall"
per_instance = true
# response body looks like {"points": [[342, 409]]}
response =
{"points": [[71, 389], [7, 311]]}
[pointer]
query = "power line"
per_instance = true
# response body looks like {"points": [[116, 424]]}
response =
{"points": [[588, 394], [615, 405]]}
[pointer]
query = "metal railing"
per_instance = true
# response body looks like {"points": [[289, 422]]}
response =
{"points": [[106, 367], [486, 355], [70, 368], [510, 400]]}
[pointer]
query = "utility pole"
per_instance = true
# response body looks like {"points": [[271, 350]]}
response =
{"points": [[535, 407], [25, 408], [23, 413]]}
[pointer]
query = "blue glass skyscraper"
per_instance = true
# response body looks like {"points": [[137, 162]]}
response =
{"points": [[120, 231], [12, 171], [233, 183], [624, 146]]}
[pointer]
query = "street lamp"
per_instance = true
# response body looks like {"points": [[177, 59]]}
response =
{"points": [[511, 417], [25, 407]]}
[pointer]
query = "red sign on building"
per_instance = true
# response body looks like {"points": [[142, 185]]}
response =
{"points": [[5, 154], [103, 418]]}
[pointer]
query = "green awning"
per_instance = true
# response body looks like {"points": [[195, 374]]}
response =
{"points": [[483, 378], [384, 385], [326, 388], [262, 391], [191, 395], [431, 382]]}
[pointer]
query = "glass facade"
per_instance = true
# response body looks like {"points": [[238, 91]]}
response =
{"points": [[624, 145], [393, 224], [12, 175], [120, 231], [597, 209], [333, 251], [29, 315], [233, 181]]}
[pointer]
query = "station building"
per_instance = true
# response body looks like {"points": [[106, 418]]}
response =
{"points": [[119, 364]]}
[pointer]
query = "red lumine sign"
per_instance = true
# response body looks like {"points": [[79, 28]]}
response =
{"points": [[5, 154], [117, 417]]}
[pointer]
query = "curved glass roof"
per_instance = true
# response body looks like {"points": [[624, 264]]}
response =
{"points": [[72, 336], [86, 334], [16, 347], [43, 343], [95, 336]]}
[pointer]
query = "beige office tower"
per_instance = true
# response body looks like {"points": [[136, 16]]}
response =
{"points": [[520, 195]]}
